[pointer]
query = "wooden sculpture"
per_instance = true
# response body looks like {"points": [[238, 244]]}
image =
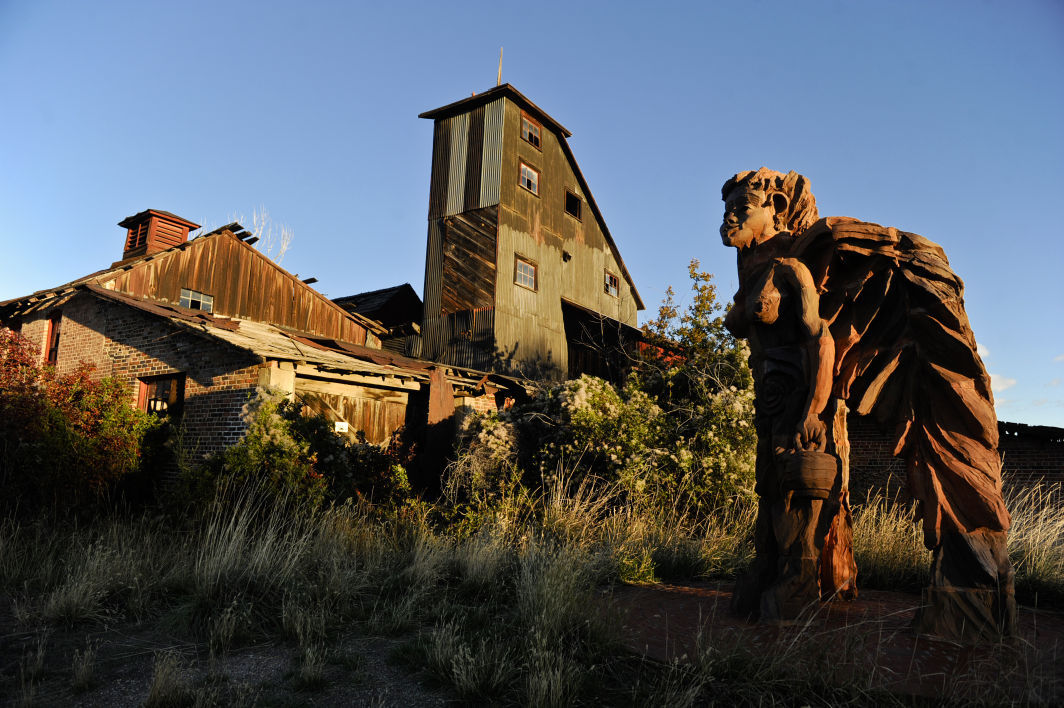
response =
{"points": [[841, 314]]}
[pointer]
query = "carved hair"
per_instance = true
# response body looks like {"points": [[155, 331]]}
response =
{"points": [[801, 210]]}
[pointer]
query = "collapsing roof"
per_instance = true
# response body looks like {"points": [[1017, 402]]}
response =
{"points": [[273, 343]]}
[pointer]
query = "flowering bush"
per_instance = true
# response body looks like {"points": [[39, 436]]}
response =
{"points": [[68, 438], [678, 431]]}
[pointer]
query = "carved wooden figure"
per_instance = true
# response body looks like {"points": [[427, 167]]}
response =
{"points": [[838, 313]]}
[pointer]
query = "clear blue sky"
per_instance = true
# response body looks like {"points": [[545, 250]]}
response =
{"points": [[943, 118]]}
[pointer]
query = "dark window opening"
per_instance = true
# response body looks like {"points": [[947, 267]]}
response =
{"points": [[573, 204], [612, 284], [52, 346], [162, 395], [194, 300], [530, 131]]}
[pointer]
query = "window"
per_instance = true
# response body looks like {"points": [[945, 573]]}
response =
{"points": [[573, 204], [51, 347], [525, 273], [196, 300], [162, 395], [529, 130], [529, 179], [612, 284]]}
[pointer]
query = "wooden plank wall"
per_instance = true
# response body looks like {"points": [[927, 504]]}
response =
{"points": [[468, 268], [244, 284], [376, 412]]}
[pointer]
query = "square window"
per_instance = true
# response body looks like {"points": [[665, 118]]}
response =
{"points": [[530, 130], [573, 204], [525, 273], [612, 284], [162, 395], [529, 179], [194, 300]]}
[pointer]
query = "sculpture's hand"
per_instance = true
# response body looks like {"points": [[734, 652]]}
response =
{"points": [[811, 435]]}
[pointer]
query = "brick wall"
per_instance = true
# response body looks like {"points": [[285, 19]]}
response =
{"points": [[1028, 454], [130, 345]]}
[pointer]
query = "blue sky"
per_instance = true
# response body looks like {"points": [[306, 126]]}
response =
{"points": [[942, 118]]}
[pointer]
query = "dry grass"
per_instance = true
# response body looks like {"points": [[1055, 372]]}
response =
{"points": [[507, 607]]}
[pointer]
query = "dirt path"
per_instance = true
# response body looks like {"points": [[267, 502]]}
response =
{"points": [[867, 640]]}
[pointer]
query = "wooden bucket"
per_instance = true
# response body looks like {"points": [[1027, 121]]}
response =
{"points": [[811, 473]]}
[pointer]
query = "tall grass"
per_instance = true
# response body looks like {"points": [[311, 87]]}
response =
{"points": [[1036, 540], [506, 603]]}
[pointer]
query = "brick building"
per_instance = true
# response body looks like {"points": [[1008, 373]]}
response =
{"points": [[195, 328]]}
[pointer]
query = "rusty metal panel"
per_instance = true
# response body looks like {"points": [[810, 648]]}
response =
{"points": [[491, 160], [456, 169]]}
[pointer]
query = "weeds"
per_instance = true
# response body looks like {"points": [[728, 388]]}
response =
{"points": [[505, 609], [168, 688], [83, 668]]}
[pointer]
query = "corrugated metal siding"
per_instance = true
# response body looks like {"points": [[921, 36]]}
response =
{"points": [[441, 151], [466, 161], [469, 338], [474, 150], [433, 285], [491, 161], [456, 181]]}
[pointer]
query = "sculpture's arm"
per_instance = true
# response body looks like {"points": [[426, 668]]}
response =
{"points": [[735, 320], [820, 352]]}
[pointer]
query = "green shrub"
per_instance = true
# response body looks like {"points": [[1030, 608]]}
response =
{"points": [[678, 432], [293, 456]]}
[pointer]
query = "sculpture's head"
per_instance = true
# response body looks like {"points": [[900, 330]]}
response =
{"points": [[760, 205]]}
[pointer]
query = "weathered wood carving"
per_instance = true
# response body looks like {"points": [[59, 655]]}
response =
{"points": [[838, 313]]}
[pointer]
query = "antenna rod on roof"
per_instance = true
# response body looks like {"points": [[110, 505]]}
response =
{"points": [[498, 79]]}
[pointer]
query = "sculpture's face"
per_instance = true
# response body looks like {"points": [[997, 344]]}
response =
{"points": [[748, 219]]}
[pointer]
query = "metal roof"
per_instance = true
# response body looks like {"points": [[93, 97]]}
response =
{"points": [[504, 90]]}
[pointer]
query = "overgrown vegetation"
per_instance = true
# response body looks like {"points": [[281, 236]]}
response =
{"points": [[677, 432], [296, 541], [291, 455], [515, 608], [65, 440]]}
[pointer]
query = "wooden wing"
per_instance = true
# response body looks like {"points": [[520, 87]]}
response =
{"points": [[905, 354]]}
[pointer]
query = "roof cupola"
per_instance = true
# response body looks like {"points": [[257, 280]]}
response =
{"points": [[153, 230]]}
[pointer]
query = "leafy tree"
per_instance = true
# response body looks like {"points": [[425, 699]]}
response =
{"points": [[697, 372]]}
